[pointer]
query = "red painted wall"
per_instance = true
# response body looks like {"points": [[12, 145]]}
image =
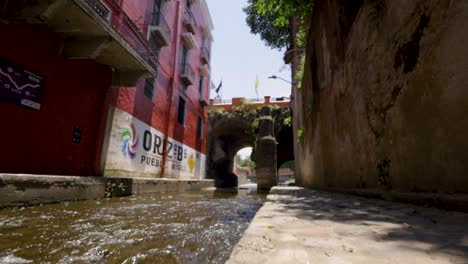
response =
{"points": [[161, 112], [40, 142]]}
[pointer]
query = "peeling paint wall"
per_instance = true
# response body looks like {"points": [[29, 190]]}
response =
{"points": [[385, 95]]}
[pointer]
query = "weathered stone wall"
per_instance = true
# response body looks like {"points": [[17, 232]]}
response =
{"points": [[229, 132], [385, 95], [266, 159]]}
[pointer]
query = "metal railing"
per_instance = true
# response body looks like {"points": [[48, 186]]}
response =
{"points": [[99, 8], [186, 70], [225, 101], [124, 26], [280, 99], [251, 100]]}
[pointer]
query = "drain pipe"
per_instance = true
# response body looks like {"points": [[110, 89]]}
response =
{"points": [[175, 50]]}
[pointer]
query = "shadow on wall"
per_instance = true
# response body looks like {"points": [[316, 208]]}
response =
{"points": [[224, 177], [285, 146]]}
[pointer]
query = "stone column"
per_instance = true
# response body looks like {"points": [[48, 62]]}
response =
{"points": [[266, 151]]}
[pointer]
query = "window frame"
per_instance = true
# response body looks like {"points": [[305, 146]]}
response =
{"points": [[157, 12], [181, 113], [200, 86], [200, 128], [152, 82]]}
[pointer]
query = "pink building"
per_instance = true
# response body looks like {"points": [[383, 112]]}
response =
{"points": [[166, 115], [105, 87]]}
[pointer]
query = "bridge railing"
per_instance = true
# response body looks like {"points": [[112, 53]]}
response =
{"points": [[223, 101], [252, 100]]}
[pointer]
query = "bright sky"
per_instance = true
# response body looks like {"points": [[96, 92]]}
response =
{"points": [[245, 152], [238, 56]]}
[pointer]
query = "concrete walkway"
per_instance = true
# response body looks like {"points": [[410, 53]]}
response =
{"points": [[305, 226]]}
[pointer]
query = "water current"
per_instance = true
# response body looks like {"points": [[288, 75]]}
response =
{"points": [[194, 227]]}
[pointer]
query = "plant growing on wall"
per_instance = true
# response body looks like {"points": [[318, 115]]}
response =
{"points": [[300, 73], [215, 111], [300, 135]]}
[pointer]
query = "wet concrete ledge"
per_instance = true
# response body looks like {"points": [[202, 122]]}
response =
{"points": [[26, 189]]}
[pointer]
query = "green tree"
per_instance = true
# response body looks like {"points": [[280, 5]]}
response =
{"points": [[263, 24], [287, 165], [270, 19], [247, 162]]}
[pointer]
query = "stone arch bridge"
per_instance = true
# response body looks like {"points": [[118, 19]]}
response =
{"points": [[239, 124]]}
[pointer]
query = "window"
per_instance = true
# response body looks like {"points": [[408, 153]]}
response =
{"points": [[184, 63], [200, 128], [149, 88], [200, 86], [184, 59], [156, 12], [203, 42], [181, 111]]}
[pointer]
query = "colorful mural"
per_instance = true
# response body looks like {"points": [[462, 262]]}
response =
{"points": [[137, 148]]}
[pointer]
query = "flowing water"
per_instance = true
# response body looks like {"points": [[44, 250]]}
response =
{"points": [[198, 227]]}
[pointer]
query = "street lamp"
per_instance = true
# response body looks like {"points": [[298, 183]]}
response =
{"points": [[292, 83], [276, 77]]}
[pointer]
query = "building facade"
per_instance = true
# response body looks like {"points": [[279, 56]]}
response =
{"points": [[104, 87], [158, 128]]}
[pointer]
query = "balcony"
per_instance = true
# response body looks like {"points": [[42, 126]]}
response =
{"points": [[205, 70], [159, 32], [206, 30], [205, 55], [189, 40], [97, 29], [189, 21], [187, 74]]}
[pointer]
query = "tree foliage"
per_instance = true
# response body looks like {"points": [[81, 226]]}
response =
{"points": [[287, 165], [263, 24], [270, 19], [247, 162]]}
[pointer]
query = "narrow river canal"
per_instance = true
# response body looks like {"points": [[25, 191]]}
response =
{"points": [[198, 227]]}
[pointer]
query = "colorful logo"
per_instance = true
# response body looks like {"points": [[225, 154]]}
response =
{"points": [[129, 140]]}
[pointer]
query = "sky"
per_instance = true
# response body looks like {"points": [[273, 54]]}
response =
{"points": [[245, 152], [238, 56]]}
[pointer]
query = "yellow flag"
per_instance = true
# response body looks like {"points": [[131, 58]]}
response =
{"points": [[256, 83]]}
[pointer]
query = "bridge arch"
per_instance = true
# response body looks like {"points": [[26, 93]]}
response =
{"points": [[227, 135], [231, 129]]}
